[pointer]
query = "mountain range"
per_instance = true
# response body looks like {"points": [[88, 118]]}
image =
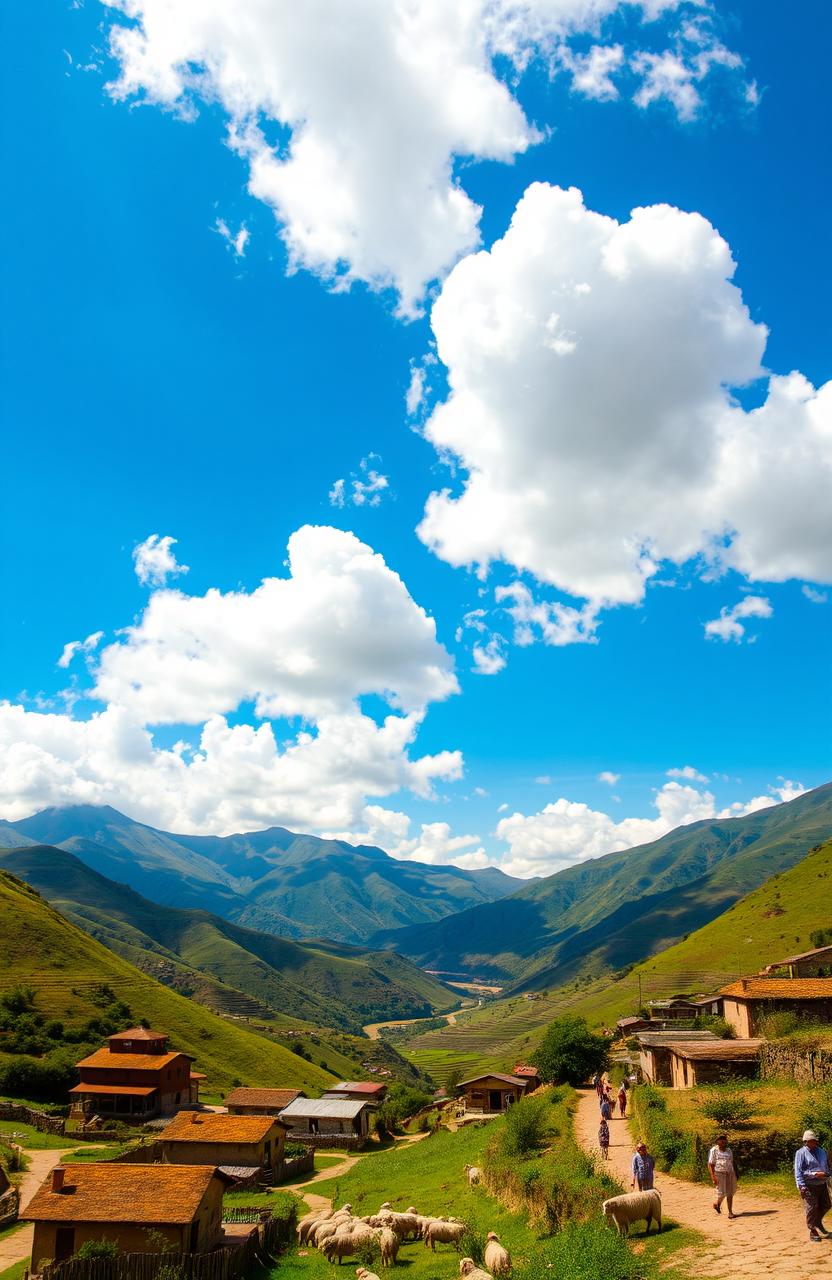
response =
{"points": [[610, 912], [273, 881]]}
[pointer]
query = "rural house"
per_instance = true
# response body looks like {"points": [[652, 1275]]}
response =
{"points": [[243, 1147], [260, 1102], [530, 1074], [747, 1002], [710, 1062], [134, 1078], [130, 1204], [328, 1122], [808, 964], [492, 1092], [629, 1026], [676, 1009], [654, 1051], [358, 1091]]}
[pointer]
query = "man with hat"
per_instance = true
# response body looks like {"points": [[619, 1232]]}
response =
{"points": [[811, 1173]]}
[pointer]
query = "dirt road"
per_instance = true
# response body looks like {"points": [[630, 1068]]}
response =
{"points": [[372, 1029], [17, 1246], [768, 1238]]}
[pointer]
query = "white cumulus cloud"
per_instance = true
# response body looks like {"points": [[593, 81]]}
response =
{"points": [[155, 562], [590, 364], [608, 777], [73, 647], [435, 843], [730, 625], [373, 101], [365, 488], [687, 773]]}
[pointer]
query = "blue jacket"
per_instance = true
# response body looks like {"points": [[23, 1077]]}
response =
{"points": [[643, 1167], [807, 1161]]}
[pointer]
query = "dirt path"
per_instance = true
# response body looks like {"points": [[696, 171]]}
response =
{"points": [[372, 1029], [317, 1201], [768, 1238], [18, 1246]]}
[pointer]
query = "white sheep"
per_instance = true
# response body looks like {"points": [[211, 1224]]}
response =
{"points": [[342, 1246], [310, 1220], [469, 1269], [439, 1232], [474, 1174], [389, 1244], [364, 1274], [404, 1224], [623, 1211], [495, 1256]]}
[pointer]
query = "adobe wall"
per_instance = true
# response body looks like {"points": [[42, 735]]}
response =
{"points": [[806, 1067]]}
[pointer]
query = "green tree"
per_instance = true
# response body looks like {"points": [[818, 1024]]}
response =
{"points": [[570, 1053]]}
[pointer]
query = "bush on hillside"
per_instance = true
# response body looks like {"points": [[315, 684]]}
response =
{"points": [[472, 1245], [728, 1105], [402, 1101], [710, 1022], [97, 1249], [818, 1112], [674, 1151], [40, 1079], [584, 1251], [570, 1053], [526, 1126]]}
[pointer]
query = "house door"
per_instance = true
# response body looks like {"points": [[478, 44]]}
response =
{"points": [[495, 1100], [64, 1243]]}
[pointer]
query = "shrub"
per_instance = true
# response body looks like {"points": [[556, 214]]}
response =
{"points": [[818, 1113], [570, 1053], [584, 1251], [776, 1025], [710, 1022], [293, 1149], [472, 1245], [18, 1000], [98, 1249], [369, 1253], [525, 1127], [728, 1105]]}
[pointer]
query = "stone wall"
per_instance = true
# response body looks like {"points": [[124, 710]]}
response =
{"points": [[778, 1061]]}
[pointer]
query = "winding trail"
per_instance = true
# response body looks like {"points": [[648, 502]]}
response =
{"points": [[373, 1029], [17, 1245], [767, 1238], [315, 1199]]}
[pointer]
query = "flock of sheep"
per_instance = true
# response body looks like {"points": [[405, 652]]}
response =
{"points": [[340, 1234]]}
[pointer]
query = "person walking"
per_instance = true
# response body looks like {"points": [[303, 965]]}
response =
{"points": [[723, 1174], [642, 1168], [596, 1084], [606, 1109], [604, 1139], [622, 1099], [610, 1096], [811, 1173]]}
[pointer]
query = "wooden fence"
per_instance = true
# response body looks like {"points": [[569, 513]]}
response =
{"points": [[343, 1141], [259, 1249], [295, 1166]]}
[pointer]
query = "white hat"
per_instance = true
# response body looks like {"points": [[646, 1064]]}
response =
{"points": [[810, 1136]]}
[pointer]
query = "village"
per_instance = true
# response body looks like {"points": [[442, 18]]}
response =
{"points": [[218, 1190]]}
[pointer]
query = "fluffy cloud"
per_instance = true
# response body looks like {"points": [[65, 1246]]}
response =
{"points": [[436, 844], [365, 488], [730, 623], [816, 597], [687, 774], [589, 365], [784, 791], [311, 645], [609, 778], [372, 102], [566, 832], [74, 647], [155, 562], [554, 623]]}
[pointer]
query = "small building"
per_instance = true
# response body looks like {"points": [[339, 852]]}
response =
{"points": [[492, 1092], [260, 1102], [654, 1051], [243, 1147], [676, 1009], [816, 963], [711, 1062], [359, 1091], [134, 1205], [528, 1073], [328, 1122], [134, 1078], [629, 1026], [747, 1002]]}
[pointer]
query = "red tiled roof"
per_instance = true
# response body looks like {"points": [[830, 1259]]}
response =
{"points": [[357, 1086], [130, 1061], [278, 1098], [779, 989], [216, 1127], [525, 1071], [129, 1193], [138, 1033], [132, 1090]]}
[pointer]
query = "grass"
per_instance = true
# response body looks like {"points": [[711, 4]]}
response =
{"points": [[30, 1138], [16, 1271], [93, 1154]]}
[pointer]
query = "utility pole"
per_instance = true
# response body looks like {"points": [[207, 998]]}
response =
{"points": [[640, 1000]]}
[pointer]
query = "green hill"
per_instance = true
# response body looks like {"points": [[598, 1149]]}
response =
{"points": [[616, 910], [231, 969], [296, 886], [72, 976]]}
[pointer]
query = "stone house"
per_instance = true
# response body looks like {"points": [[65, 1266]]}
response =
{"points": [[816, 963], [243, 1147], [747, 1002], [492, 1092], [654, 1051], [137, 1206], [134, 1078], [260, 1102], [333, 1122], [710, 1062]]}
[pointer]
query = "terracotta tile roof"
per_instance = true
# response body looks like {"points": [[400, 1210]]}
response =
{"points": [[140, 1193], [134, 1090], [138, 1033], [357, 1086], [718, 1051], [278, 1098], [780, 989], [216, 1127], [492, 1075], [523, 1072], [129, 1061]]}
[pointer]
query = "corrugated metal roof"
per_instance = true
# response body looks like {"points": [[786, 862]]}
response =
{"points": [[356, 1086], [329, 1108], [493, 1075], [779, 989]]}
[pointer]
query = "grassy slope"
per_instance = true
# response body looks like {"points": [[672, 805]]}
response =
{"points": [[324, 983], [772, 921], [616, 910], [41, 949]]}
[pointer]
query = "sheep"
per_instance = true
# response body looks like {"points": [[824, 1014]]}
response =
{"points": [[328, 1228], [364, 1274], [469, 1269], [341, 1246], [495, 1256], [389, 1243], [623, 1211], [310, 1220], [474, 1174], [443, 1233], [404, 1224]]}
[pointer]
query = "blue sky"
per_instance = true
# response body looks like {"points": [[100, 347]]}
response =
{"points": [[156, 382]]}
